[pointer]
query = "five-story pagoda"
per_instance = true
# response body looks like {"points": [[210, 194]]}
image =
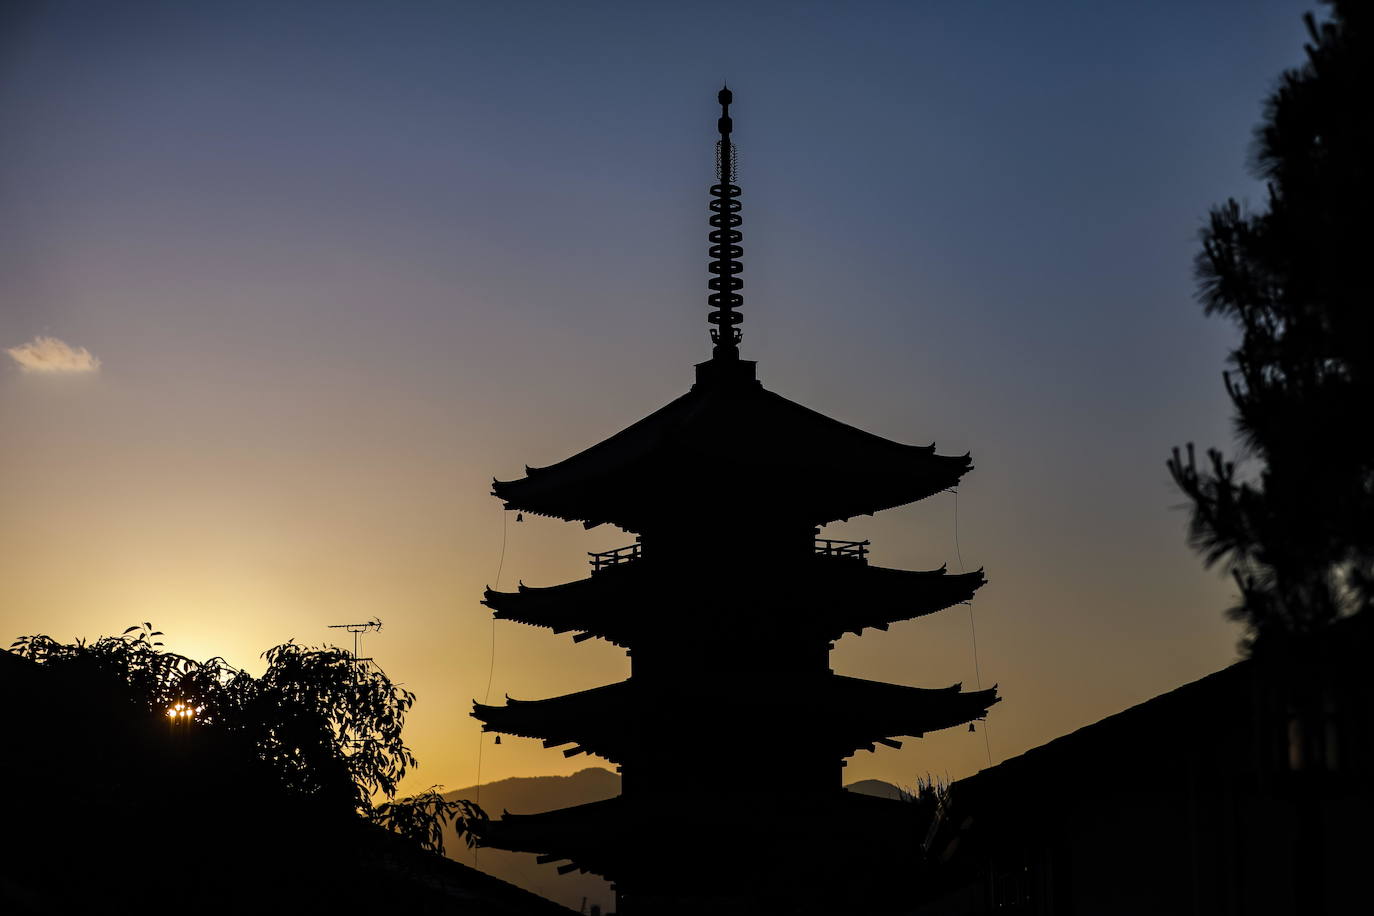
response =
{"points": [[731, 731]]}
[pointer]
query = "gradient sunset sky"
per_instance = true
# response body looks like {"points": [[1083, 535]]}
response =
{"points": [[335, 265]]}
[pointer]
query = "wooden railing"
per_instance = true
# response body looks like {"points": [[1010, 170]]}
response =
{"points": [[848, 550], [605, 558], [825, 547]]}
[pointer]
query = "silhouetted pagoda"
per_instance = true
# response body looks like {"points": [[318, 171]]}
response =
{"points": [[732, 729]]}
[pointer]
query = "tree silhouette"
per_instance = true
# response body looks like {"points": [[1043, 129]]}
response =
{"points": [[323, 724], [421, 818], [1298, 535]]}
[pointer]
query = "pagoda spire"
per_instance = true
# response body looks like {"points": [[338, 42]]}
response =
{"points": [[725, 248]]}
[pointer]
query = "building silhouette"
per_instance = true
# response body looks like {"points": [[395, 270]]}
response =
{"points": [[728, 603], [1250, 790]]}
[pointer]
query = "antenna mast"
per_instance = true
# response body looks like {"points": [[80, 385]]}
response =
{"points": [[358, 629]]}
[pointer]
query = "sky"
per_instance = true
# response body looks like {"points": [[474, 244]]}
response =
{"points": [[283, 286]]}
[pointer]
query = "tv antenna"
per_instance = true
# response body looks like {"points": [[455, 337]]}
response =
{"points": [[358, 629]]}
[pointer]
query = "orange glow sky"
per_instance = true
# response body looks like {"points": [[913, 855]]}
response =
{"points": [[341, 264]]}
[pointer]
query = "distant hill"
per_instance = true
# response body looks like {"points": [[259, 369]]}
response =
{"points": [[878, 788], [530, 795]]}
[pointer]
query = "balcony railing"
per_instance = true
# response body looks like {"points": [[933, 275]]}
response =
{"points": [[847, 550], [626, 554], [825, 547]]}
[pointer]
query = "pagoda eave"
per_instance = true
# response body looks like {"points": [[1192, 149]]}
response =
{"points": [[859, 714], [579, 719], [587, 836], [636, 504], [867, 713], [844, 597], [596, 837]]}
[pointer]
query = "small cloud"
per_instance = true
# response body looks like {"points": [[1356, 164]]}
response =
{"points": [[48, 354]]}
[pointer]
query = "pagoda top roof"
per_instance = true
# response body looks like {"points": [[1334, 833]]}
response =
{"points": [[776, 456]]}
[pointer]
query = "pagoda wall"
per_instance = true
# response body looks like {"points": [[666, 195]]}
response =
{"points": [[728, 718]]}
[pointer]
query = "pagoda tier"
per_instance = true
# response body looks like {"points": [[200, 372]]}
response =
{"points": [[602, 837], [785, 461], [836, 596], [852, 713]]}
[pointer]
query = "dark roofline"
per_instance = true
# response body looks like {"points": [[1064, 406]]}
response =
{"points": [[1347, 635], [1044, 755], [1180, 705]]}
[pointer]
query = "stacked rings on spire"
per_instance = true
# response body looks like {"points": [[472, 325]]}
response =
{"points": [[725, 238], [725, 251]]}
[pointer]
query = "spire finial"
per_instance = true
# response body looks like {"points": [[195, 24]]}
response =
{"points": [[725, 238]]}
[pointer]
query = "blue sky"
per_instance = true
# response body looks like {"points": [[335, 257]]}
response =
{"points": [[342, 263]]}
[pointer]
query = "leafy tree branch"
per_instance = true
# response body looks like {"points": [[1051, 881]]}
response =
{"points": [[325, 725]]}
